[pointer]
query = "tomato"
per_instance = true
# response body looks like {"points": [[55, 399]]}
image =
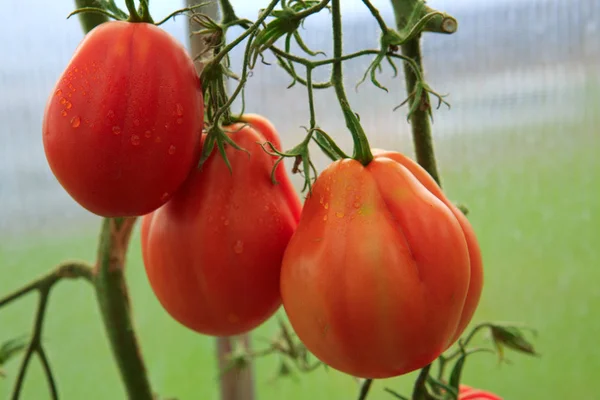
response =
{"points": [[213, 253], [122, 127], [383, 272], [468, 393]]}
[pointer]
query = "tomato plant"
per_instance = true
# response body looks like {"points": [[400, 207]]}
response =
{"points": [[383, 272], [122, 127], [213, 253]]}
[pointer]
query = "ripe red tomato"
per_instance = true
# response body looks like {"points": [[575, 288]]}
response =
{"points": [[468, 393], [213, 253], [383, 272], [122, 127]]}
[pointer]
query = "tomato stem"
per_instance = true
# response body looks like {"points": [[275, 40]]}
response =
{"points": [[362, 150], [133, 12], [89, 20]]}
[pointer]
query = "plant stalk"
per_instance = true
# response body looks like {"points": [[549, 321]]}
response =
{"points": [[419, 120], [115, 308]]}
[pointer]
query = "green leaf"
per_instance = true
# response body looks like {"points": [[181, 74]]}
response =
{"points": [[513, 338], [12, 347]]}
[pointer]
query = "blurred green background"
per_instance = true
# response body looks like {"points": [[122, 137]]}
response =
{"points": [[519, 148]]}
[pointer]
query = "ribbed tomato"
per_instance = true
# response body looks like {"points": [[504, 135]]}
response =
{"points": [[213, 253], [122, 127], [383, 272]]}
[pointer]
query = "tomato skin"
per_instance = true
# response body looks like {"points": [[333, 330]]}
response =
{"points": [[381, 275], [122, 126], [468, 393], [213, 253]]}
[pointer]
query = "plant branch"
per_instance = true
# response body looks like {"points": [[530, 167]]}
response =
{"points": [[71, 270], [364, 389], [419, 119], [43, 285]]}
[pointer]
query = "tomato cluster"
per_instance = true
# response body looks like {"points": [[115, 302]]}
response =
{"points": [[379, 272]]}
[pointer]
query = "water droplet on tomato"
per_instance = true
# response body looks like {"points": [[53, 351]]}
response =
{"points": [[165, 196], [179, 109], [135, 140], [148, 134], [136, 122], [326, 205], [339, 214], [68, 105], [321, 200], [116, 130], [238, 247], [226, 222], [325, 218], [179, 121], [62, 100], [356, 204], [63, 113], [167, 126], [110, 114], [58, 92], [157, 139], [267, 208], [75, 122], [172, 150]]}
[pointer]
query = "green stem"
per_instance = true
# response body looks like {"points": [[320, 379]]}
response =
{"points": [[90, 20], [113, 299], [419, 120], [312, 10], [405, 10], [145, 11], [362, 150], [364, 389], [227, 12], [420, 388], [375, 12], [251, 29], [133, 14], [43, 285]]}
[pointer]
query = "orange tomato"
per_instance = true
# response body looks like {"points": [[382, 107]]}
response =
{"points": [[123, 124], [468, 393], [383, 273], [213, 253]]}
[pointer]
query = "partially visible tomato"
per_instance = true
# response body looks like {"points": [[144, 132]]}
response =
{"points": [[468, 393], [383, 272], [122, 127], [213, 252]]}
